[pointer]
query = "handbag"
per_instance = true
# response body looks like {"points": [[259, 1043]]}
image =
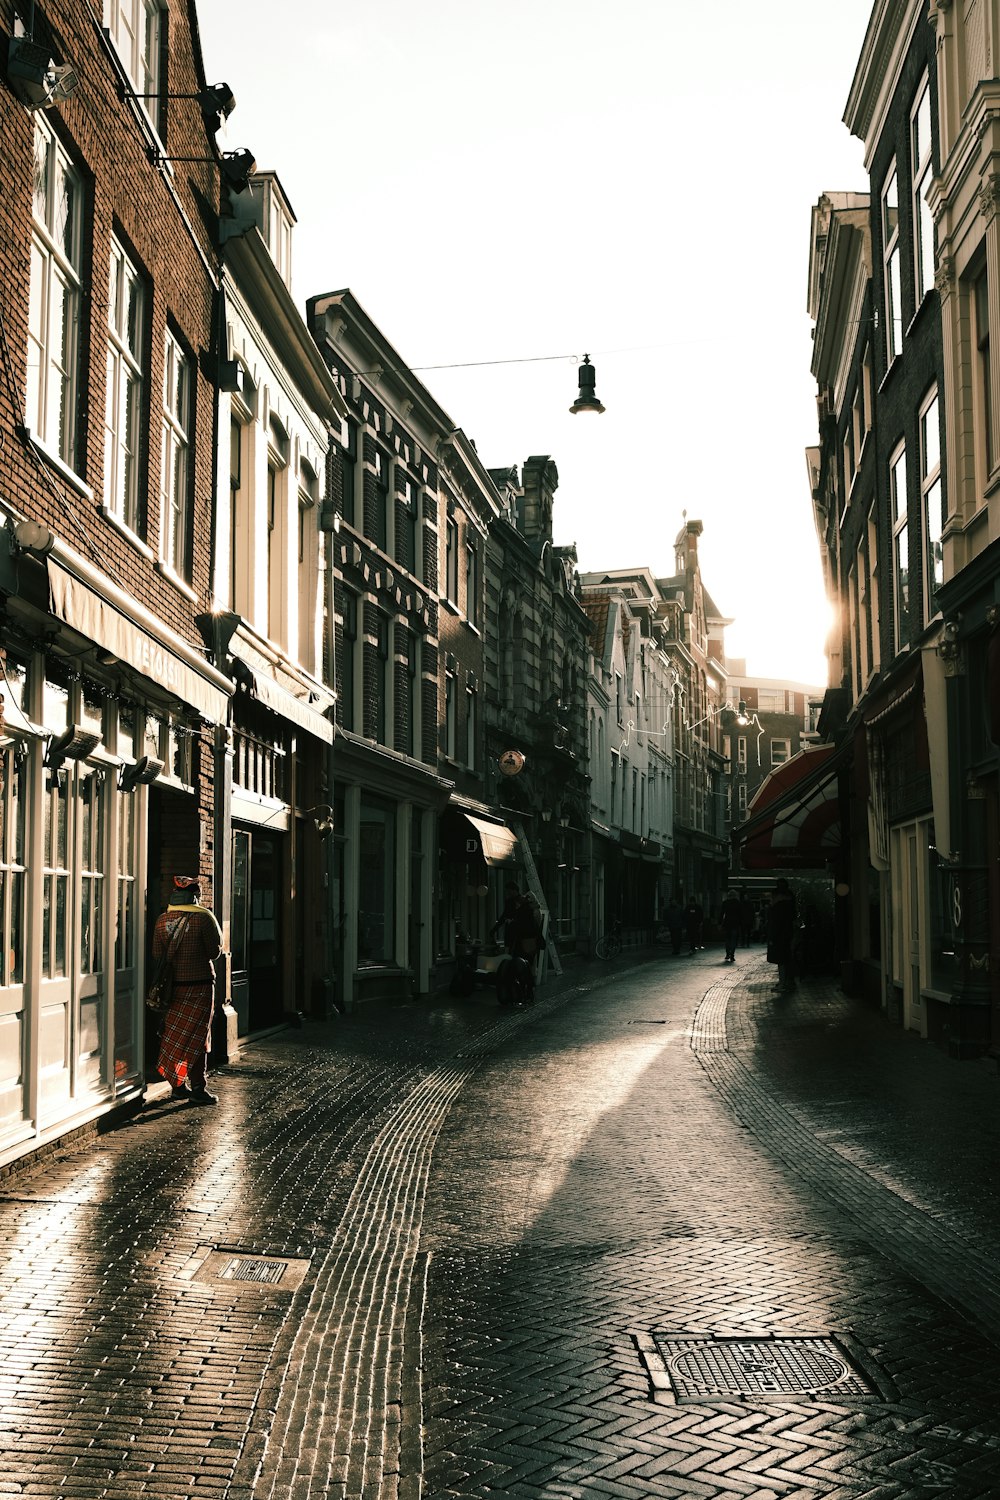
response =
{"points": [[160, 991]]}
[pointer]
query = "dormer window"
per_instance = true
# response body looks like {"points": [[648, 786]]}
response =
{"points": [[277, 222]]}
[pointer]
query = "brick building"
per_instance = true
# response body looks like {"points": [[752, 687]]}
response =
{"points": [[415, 855], [110, 198], [536, 696]]}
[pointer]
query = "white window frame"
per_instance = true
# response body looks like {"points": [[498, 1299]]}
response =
{"points": [[901, 592], [781, 750], [126, 389], [922, 173], [136, 28], [892, 279], [931, 495], [309, 555], [53, 373], [175, 455]]}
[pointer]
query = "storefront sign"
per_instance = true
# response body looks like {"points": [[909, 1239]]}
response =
{"points": [[98, 619]]}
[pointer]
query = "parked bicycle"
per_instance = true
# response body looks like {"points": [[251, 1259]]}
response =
{"points": [[609, 945]]}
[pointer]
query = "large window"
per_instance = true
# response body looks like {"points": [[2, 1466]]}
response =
{"points": [[135, 28], [175, 456], [123, 416], [278, 449], [890, 264], [921, 175], [985, 390], [471, 585], [931, 501], [54, 306], [308, 567], [451, 560], [875, 619], [900, 546], [376, 882]]}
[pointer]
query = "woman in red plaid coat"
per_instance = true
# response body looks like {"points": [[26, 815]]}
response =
{"points": [[187, 1030]]}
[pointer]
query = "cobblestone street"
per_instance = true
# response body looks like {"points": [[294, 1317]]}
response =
{"points": [[454, 1251]]}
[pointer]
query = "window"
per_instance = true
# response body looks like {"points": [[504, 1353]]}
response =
{"points": [[854, 627], [890, 265], [123, 414], [308, 566], [412, 746], [780, 751], [931, 500], [741, 752], [278, 448], [349, 636], [771, 701], [873, 599], [451, 560], [54, 306], [985, 395], [347, 457], [471, 727], [134, 26], [408, 526], [471, 585], [379, 530], [921, 175], [450, 717], [383, 688], [14, 798], [175, 456], [900, 546], [741, 798]]}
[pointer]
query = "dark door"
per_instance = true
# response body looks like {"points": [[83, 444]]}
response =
{"points": [[240, 930], [266, 1004]]}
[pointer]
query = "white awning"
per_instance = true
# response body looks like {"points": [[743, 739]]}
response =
{"points": [[280, 701], [104, 614], [495, 839]]}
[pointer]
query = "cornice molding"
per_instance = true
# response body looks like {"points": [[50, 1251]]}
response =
{"points": [[890, 31]]}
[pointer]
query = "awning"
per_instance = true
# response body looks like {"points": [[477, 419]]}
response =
{"points": [[466, 836], [104, 614], [495, 840], [280, 701], [794, 819]]}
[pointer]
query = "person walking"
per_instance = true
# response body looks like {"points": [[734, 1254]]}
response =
{"points": [[187, 1027], [675, 923], [694, 919], [730, 918], [781, 935]]}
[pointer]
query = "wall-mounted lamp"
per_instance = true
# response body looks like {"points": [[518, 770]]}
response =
{"points": [[145, 770], [74, 744], [546, 815], [587, 397], [36, 79], [237, 167], [32, 536], [217, 102]]}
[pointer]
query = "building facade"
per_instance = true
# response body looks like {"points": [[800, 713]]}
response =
{"points": [[106, 475]]}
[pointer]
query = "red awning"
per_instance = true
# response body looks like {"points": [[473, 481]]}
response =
{"points": [[794, 821]]}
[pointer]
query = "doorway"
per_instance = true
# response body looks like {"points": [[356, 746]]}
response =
{"points": [[255, 937]]}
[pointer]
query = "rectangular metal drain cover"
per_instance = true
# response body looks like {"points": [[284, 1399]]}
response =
{"points": [[246, 1269], [690, 1367], [255, 1270]]}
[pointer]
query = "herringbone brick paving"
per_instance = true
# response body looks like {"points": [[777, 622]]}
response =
{"points": [[496, 1211]]}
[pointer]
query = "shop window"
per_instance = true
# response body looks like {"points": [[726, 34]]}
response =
{"points": [[377, 883], [13, 861]]}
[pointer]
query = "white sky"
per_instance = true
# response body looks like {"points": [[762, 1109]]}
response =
{"points": [[505, 179]]}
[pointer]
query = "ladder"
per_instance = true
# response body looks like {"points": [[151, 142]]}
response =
{"points": [[535, 887]]}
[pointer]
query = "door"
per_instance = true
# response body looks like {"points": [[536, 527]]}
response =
{"points": [[239, 937], [266, 1002], [14, 875]]}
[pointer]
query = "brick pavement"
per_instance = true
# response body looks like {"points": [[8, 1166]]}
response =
{"points": [[496, 1212]]}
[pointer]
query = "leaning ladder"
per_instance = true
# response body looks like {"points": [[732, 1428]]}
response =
{"points": [[535, 887]]}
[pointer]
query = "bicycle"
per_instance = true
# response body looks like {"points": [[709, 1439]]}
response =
{"points": [[609, 945]]}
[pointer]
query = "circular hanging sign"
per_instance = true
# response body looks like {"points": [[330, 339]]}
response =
{"points": [[511, 762]]}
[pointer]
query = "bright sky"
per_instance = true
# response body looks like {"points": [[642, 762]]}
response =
{"points": [[515, 179]]}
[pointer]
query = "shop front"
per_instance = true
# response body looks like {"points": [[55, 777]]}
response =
{"points": [[101, 703]]}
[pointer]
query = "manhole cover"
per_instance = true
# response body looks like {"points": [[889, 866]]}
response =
{"points": [[696, 1368], [255, 1269], [245, 1269]]}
